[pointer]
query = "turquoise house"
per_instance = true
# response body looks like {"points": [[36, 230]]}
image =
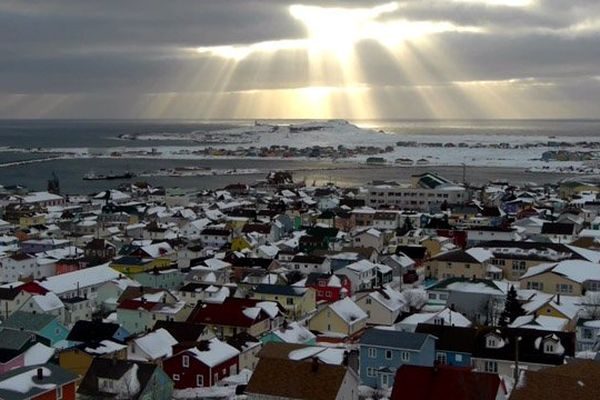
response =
{"points": [[46, 327], [290, 333]]}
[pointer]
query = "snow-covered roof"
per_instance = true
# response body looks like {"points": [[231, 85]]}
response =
{"points": [[217, 353], [481, 255], [79, 279], [294, 333], [156, 345], [348, 311], [48, 302]]}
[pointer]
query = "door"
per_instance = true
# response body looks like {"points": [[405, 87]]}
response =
{"points": [[385, 381]]}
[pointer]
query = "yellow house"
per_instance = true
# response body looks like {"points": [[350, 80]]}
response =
{"points": [[78, 360], [297, 301], [472, 263], [564, 307], [31, 220], [569, 277], [236, 224], [240, 243], [342, 317], [129, 265]]}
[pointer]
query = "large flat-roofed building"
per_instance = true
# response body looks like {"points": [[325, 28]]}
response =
{"points": [[424, 192]]}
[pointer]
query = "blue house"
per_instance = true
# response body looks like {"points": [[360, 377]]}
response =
{"points": [[382, 352], [454, 344]]}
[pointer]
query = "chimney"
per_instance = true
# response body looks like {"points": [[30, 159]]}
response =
{"points": [[40, 374], [558, 299]]}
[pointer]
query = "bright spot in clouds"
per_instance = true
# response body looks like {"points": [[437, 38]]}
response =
{"points": [[337, 30]]}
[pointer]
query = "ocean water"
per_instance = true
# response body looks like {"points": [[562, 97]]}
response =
{"points": [[92, 133]]}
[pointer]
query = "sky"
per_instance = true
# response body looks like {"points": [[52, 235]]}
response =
{"points": [[250, 59]]}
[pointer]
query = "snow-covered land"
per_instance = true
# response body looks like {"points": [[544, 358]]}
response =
{"points": [[343, 141]]}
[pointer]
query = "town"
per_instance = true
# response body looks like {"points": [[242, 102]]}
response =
{"points": [[420, 290]]}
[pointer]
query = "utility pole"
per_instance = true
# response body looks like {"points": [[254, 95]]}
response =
{"points": [[516, 372]]}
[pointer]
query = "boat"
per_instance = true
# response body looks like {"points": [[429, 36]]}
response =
{"points": [[101, 177]]}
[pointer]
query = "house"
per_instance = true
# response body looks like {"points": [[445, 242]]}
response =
{"points": [[18, 266], [479, 300], [297, 301], [588, 334], [515, 258], [480, 234], [82, 283], [494, 350], [362, 274], [369, 238], [471, 263], [141, 313], [126, 380], [445, 382], [309, 264], [235, 315], [79, 358], [292, 332], [569, 277], [151, 347], [202, 365], [559, 232], [13, 347], [185, 331], [329, 287], [575, 380], [286, 379], [383, 305], [442, 317], [46, 327], [382, 352], [12, 299], [454, 345], [249, 347], [340, 319], [39, 382], [99, 250], [215, 237]]}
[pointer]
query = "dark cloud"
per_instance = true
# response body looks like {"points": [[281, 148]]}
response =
{"points": [[113, 52]]}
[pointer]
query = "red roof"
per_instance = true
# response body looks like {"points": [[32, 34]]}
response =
{"points": [[230, 313], [137, 304], [444, 382], [33, 288]]}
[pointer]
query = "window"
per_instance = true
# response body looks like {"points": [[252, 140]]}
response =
{"points": [[175, 377], [405, 356], [185, 361], [370, 372], [368, 301], [388, 355], [59, 392], [199, 380], [289, 301], [491, 366], [372, 352], [549, 347], [493, 342], [458, 357], [441, 358]]}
